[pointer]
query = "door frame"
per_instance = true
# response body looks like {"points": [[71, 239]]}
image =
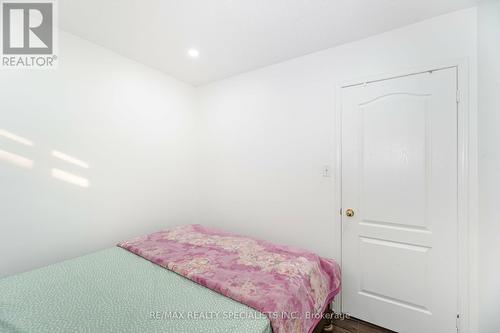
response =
{"points": [[467, 183]]}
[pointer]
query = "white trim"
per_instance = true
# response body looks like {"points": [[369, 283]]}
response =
{"points": [[337, 305], [467, 182]]}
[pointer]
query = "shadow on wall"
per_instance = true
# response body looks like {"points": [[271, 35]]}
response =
{"points": [[27, 163]]}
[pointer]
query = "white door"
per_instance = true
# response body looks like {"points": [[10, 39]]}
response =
{"points": [[399, 177]]}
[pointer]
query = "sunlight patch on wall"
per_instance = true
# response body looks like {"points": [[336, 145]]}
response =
{"points": [[67, 176], [15, 159], [16, 138], [70, 178], [67, 158], [27, 163]]}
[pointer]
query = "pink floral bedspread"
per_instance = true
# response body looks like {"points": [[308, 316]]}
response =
{"points": [[292, 287]]}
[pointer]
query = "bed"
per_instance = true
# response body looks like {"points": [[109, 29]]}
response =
{"points": [[114, 291], [117, 290]]}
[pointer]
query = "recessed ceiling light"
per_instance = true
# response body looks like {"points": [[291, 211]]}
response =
{"points": [[193, 53]]}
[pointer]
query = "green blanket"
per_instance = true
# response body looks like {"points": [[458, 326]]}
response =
{"points": [[116, 291]]}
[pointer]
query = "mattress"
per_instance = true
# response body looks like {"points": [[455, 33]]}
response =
{"points": [[116, 291]]}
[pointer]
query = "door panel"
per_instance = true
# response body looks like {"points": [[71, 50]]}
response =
{"points": [[396, 123], [399, 175]]}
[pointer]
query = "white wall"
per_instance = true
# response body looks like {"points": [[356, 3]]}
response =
{"points": [[133, 125], [489, 164], [266, 134]]}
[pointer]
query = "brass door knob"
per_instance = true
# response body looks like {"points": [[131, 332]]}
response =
{"points": [[349, 212]]}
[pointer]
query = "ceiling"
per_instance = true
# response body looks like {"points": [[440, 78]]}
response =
{"points": [[235, 36]]}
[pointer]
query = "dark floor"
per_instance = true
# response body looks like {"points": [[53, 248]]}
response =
{"points": [[355, 326]]}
